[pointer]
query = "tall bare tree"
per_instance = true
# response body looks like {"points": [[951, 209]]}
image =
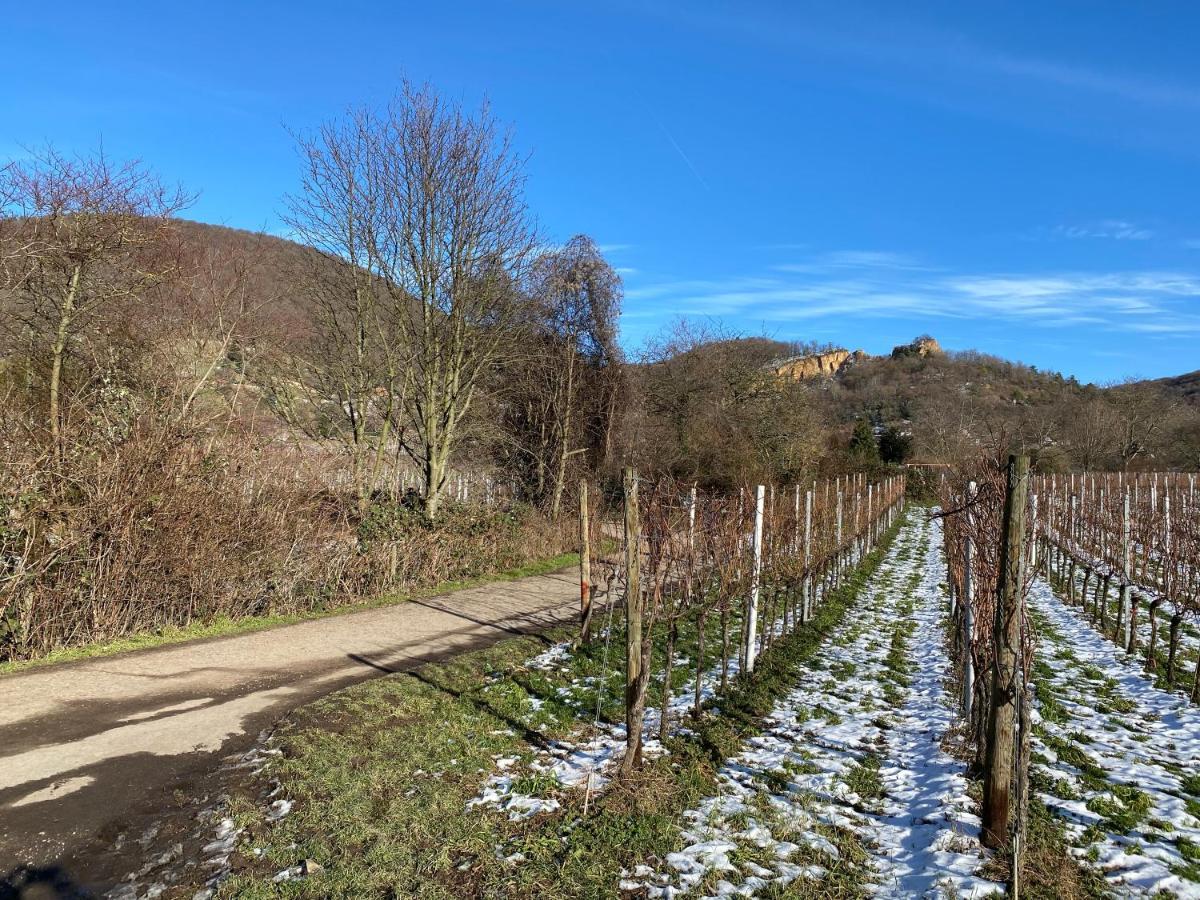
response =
{"points": [[454, 245], [559, 391], [82, 238], [355, 364], [419, 212]]}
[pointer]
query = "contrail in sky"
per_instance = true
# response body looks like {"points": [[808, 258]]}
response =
{"points": [[682, 155]]}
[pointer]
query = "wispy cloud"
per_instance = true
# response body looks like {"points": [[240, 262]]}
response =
{"points": [[1107, 229], [1134, 88], [849, 287], [854, 259], [916, 59]]}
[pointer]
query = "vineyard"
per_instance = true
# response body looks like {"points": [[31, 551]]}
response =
{"points": [[1079, 712], [809, 690]]}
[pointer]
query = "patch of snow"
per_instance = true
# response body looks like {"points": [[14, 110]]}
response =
{"points": [[1137, 736], [790, 785], [279, 809]]}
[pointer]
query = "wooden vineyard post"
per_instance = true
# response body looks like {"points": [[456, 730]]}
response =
{"points": [[755, 576], [633, 623], [1006, 669], [585, 565]]}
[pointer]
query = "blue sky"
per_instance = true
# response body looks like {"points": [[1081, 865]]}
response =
{"points": [[1020, 178]]}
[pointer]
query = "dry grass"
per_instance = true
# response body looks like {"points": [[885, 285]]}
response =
{"points": [[167, 530]]}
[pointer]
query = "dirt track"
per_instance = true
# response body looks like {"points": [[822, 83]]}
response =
{"points": [[91, 753]]}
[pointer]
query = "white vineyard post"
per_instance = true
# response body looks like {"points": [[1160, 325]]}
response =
{"points": [[968, 697], [806, 584], [838, 553], [1033, 554], [1126, 587], [755, 575], [795, 612]]}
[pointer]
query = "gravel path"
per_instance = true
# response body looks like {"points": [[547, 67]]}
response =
{"points": [[92, 752]]}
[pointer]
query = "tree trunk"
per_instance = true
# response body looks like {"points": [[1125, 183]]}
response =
{"points": [[58, 351], [1152, 647], [672, 635], [435, 475], [1173, 649]]}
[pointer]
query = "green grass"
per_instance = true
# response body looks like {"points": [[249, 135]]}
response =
{"points": [[226, 627], [1048, 870], [1123, 809], [381, 773]]}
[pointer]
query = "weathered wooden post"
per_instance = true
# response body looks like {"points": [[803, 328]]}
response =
{"points": [[751, 649], [1010, 606], [633, 623], [585, 565], [870, 519]]}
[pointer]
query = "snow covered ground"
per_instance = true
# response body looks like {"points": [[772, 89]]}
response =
{"points": [[1115, 757], [586, 760], [848, 774], [1189, 631]]}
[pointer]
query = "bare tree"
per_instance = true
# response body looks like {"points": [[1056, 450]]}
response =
{"points": [[717, 414], [215, 316], [454, 244], [558, 394], [354, 370], [1142, 411], [80, 238]]}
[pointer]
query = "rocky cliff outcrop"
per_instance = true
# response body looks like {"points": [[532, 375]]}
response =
{"points": [[816, 365], [920, 347], [835, 362]]}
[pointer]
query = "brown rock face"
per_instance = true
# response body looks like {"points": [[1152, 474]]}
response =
{"points": [[798, 368], [920, 347]]}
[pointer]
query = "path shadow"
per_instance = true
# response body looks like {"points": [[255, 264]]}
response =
{"points": [[42, 883], [531, 736], [498, 625]]}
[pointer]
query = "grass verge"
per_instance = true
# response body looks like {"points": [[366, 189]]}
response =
{"points": [[380, 774]]}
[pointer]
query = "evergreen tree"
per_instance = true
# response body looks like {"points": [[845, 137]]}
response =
{"points": [[862, 442], [894, 445]]}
